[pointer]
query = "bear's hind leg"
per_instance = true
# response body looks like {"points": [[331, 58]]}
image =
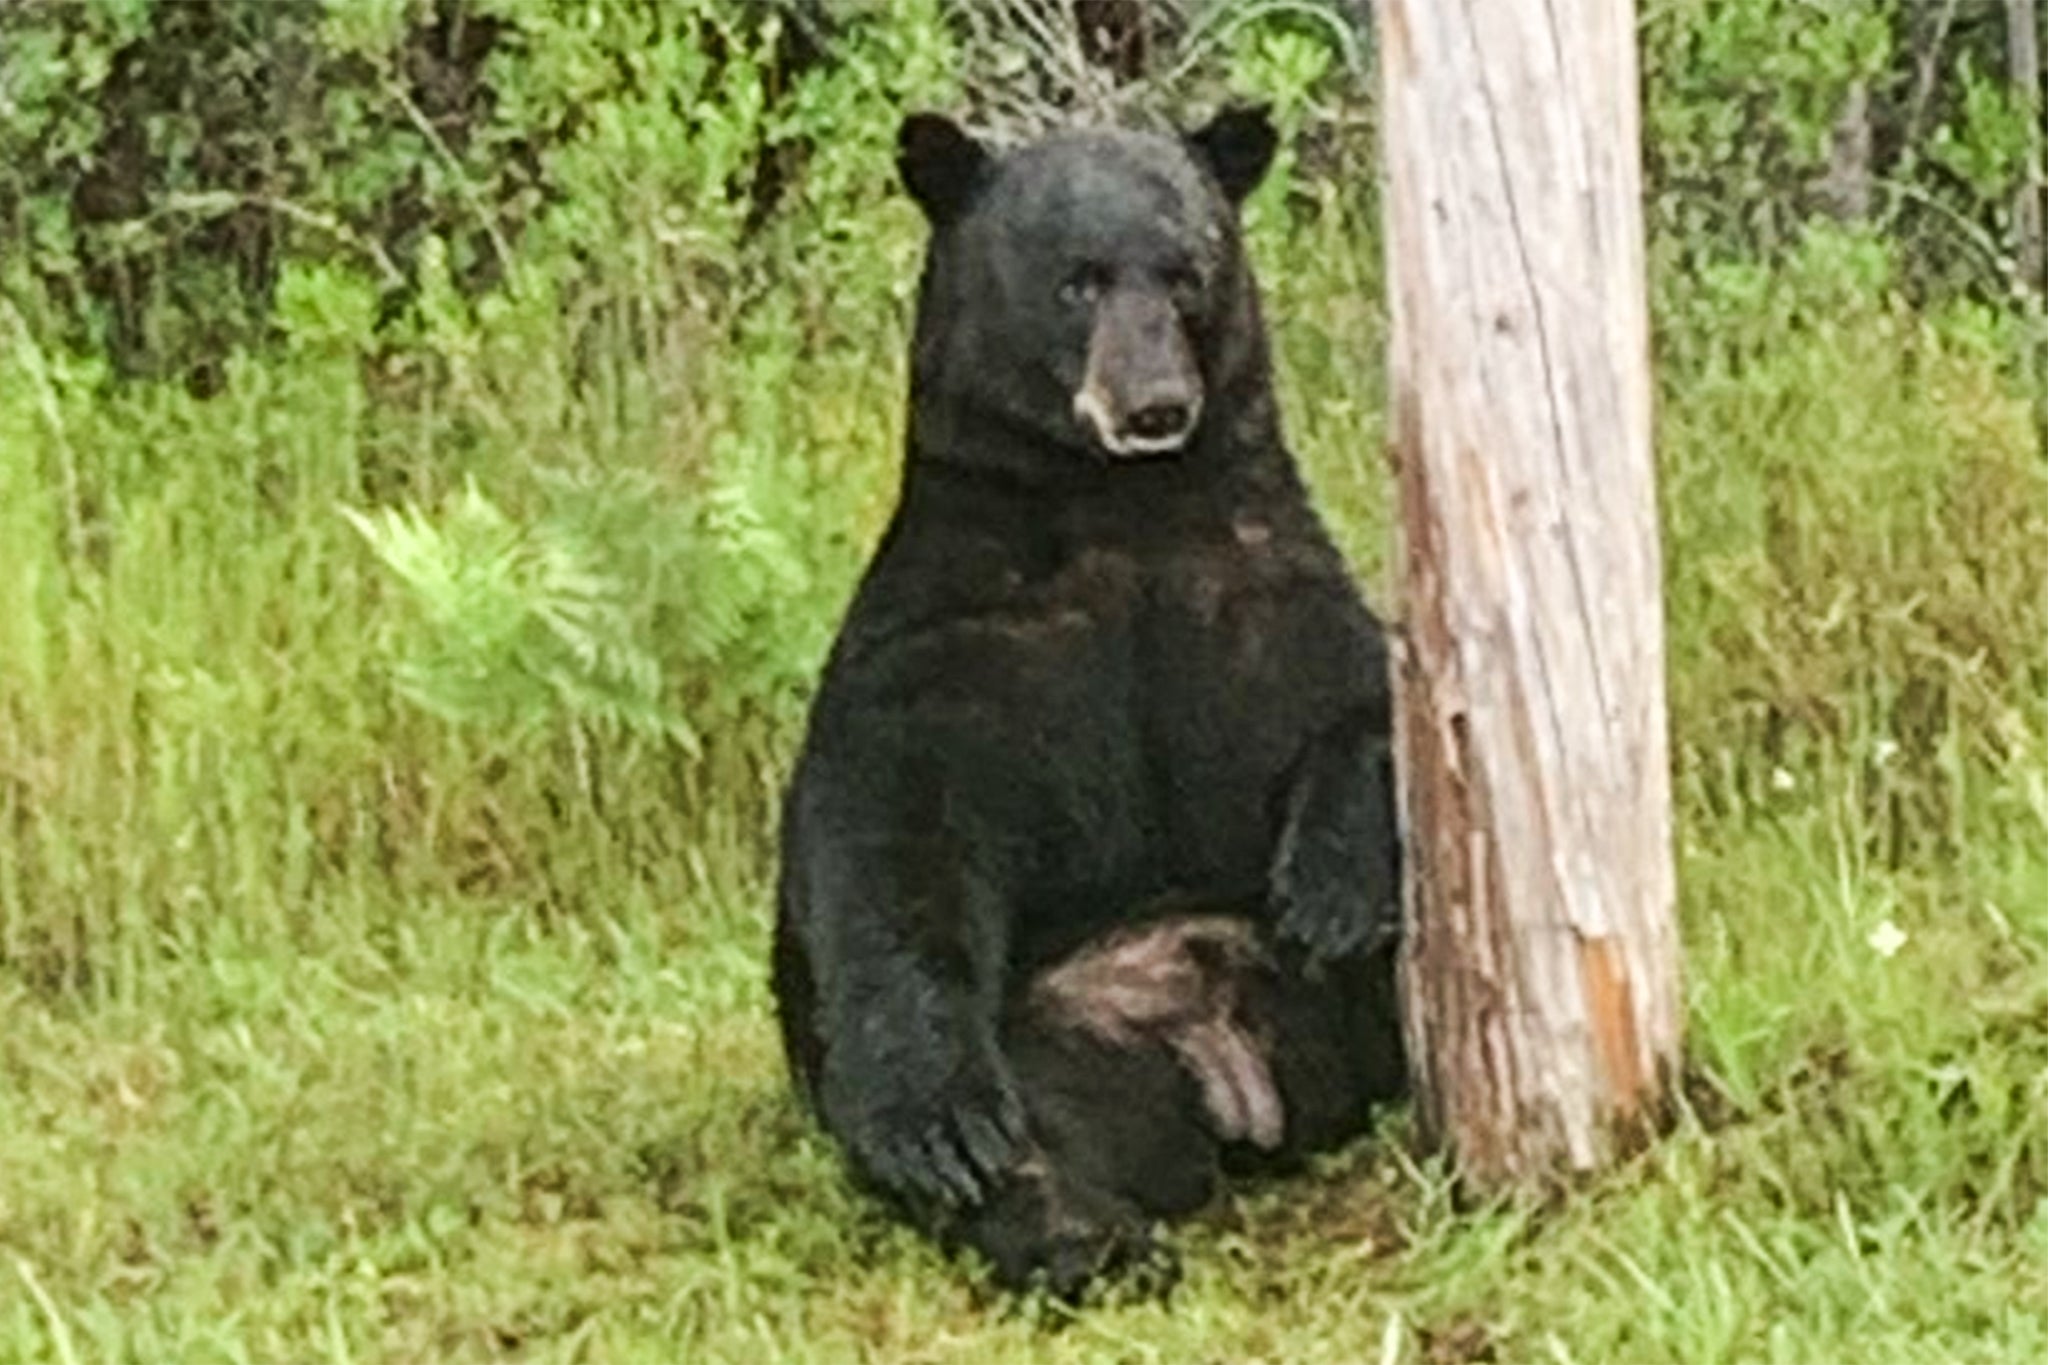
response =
{"points": [[1336, 1053], [1138, 1063], [1117, 1143]]}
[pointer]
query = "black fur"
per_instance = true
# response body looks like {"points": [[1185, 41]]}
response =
{"points": [[1074, 685]]}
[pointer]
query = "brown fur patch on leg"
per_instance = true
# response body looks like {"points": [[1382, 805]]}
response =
{"points": [[1180, 982]]}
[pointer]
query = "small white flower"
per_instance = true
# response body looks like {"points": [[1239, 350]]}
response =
{"points": [[1782, 780], [1886, 939], [1883, 751]]}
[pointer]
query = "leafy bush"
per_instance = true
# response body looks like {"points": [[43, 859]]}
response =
{"points": [[585, 613], [1763, 116], [162, 164]]}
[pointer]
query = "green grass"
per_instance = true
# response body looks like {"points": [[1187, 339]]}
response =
{"points": [[331, 1031], [480, 1140]]}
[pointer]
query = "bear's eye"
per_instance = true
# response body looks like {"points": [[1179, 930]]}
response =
{"points": [[1084, 285]]}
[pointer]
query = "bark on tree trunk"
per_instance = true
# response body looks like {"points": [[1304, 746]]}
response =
{"points": [[2023, 33], [1845, 187], [1541, 968], [2023, 48]]}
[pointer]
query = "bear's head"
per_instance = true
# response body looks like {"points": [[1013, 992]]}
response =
{"points": [[1085, 298]]}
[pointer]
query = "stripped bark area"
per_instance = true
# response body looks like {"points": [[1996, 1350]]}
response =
{"points": [[1541, 973]]}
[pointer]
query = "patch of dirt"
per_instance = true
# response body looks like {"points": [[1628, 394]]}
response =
{"points": [[1462, 1340], [1350, 1201]]}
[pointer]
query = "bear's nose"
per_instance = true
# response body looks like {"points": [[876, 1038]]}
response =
{"points": [[1159, 421]]}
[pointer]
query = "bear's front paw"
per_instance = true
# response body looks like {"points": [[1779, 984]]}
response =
{"points": [[1336, 875], [952, 1140]]}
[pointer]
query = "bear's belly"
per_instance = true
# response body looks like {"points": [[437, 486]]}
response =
{"points": [[1124, 735], [1235, 695], [1160, 755]]}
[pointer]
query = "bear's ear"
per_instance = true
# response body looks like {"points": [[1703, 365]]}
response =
{"points": [[1237, 146], [941, 165]]}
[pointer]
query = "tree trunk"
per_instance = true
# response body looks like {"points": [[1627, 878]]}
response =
{"points": [[1540, 973], [2022, 26], [2023, 49], [1845, 186]]}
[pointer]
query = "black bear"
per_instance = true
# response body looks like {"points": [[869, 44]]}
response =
{"points": [[1090, 862]]}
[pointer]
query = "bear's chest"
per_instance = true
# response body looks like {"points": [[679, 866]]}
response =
{"points": [[1210, 654], [1212, 624], [1246, 647]]}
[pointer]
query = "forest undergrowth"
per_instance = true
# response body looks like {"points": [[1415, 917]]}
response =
{"points": [[396, 681]]}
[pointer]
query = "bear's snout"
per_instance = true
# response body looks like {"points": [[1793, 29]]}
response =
{"points": [[1141, 393]]}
